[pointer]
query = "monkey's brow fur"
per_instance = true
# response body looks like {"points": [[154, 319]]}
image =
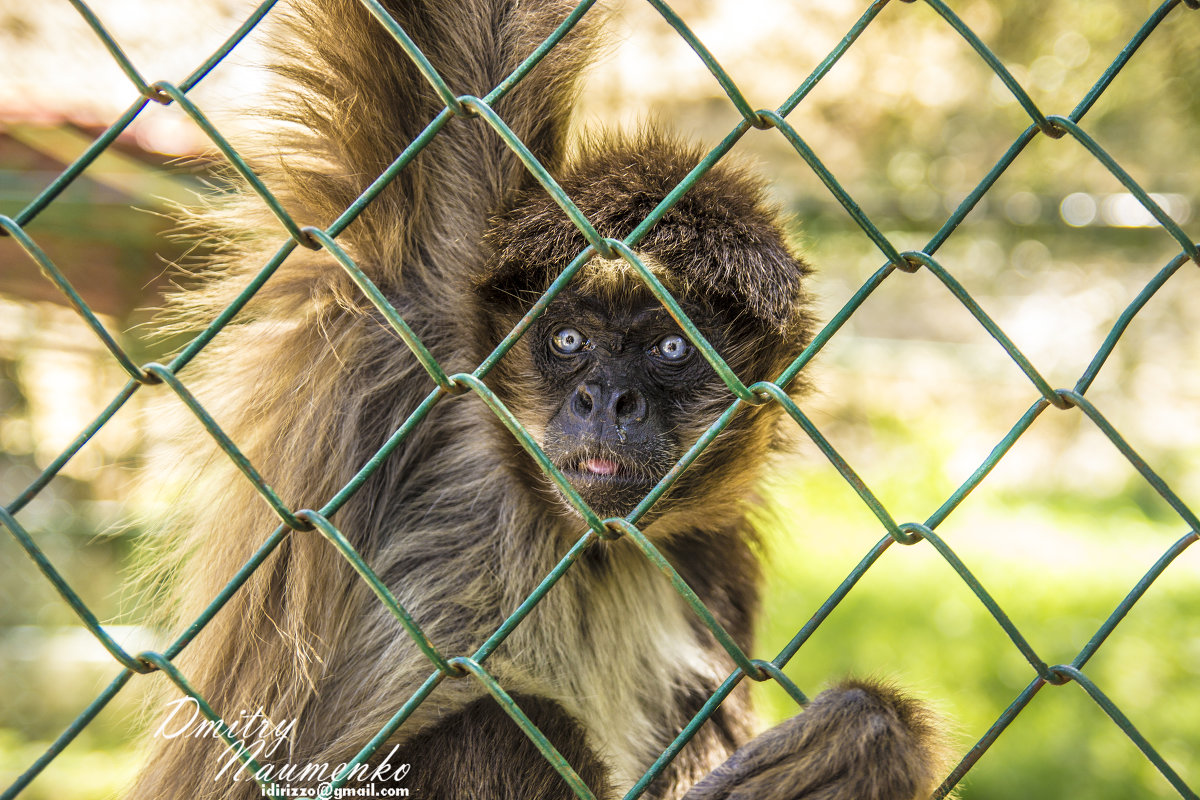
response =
{"points": [[310, 383]]}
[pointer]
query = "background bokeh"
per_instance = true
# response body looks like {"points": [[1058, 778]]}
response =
{"points": [[912, 391]]}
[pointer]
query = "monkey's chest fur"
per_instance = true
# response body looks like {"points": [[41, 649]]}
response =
{"points": [[619, 649], [612, 642]]}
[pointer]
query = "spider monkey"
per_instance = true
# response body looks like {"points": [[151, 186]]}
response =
{"points": [[458, 521]]}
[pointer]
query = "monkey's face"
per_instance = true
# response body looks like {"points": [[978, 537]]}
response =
{"points": [[604, 379], [621, 391]]}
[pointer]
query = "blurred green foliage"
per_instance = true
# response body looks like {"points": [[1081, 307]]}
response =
{"points": [[1058, 569]]}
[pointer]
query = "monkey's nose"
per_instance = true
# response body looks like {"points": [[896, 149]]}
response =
{"points": [[621, 406]]}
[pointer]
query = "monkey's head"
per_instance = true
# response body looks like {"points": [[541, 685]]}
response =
{"points": [[606, 381]]}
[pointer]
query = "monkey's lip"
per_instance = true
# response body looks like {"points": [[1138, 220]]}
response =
{"points": [[596, 471], [599, 466]]}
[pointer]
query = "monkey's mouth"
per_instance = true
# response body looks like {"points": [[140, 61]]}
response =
{"points": [[610, 483], [605, 470], [598, 466], [611, 478]]}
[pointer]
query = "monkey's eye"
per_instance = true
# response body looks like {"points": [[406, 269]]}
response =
{"points": [[673, 348], [568, 341]]}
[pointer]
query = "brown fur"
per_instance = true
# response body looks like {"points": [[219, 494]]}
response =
{"points": [[457, 521], [884, 750]]}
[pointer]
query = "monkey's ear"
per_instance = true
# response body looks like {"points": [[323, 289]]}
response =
{"points": [[723, 236], [727, 244], [762, 274]]}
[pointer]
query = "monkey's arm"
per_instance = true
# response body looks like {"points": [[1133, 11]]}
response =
{"points": [[857, 741], [479, 752]]}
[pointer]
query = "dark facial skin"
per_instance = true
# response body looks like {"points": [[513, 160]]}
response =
{"points": [[621, 381]]}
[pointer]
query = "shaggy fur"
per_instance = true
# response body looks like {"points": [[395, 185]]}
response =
{"points": [[458, 521]]}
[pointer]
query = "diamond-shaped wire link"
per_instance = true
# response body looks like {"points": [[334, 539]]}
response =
{"points": [[448, 388]]}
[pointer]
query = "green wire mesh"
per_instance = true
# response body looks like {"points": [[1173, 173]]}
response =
{"points": [[446, 387]]}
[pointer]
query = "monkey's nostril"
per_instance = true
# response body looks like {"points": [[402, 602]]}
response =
{"points": [[629, 407], [583, 401]]}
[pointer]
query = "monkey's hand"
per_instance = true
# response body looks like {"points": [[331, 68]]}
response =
{"points": [[857, 741]]}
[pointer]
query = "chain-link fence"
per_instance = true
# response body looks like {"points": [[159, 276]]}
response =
{"points": [[156, 377]]}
